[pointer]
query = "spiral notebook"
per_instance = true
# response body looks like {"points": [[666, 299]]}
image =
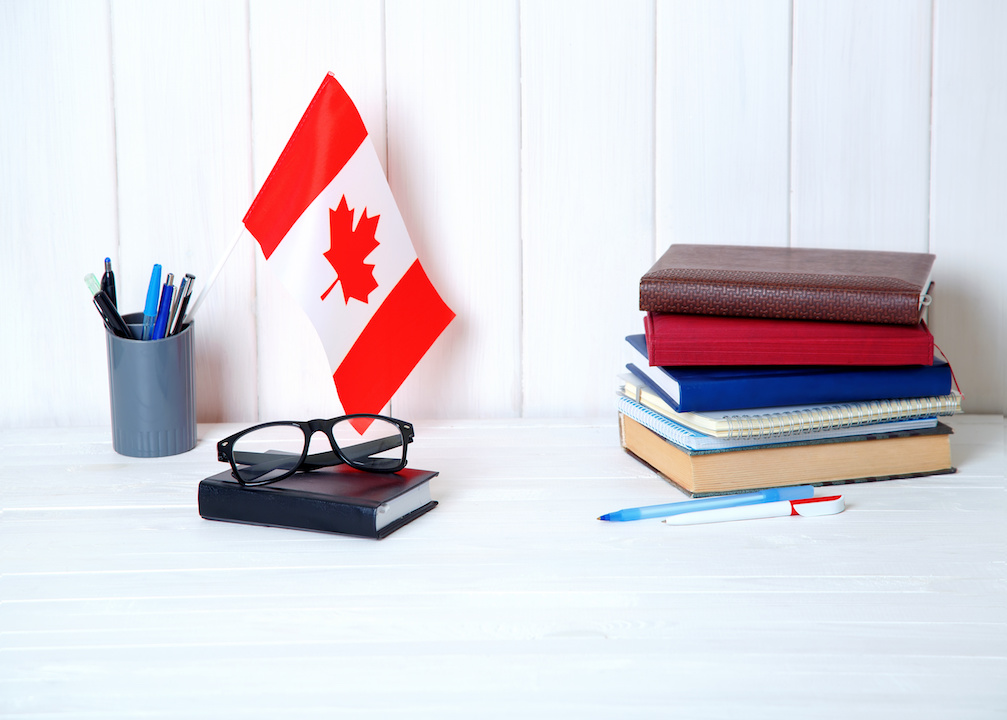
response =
{"points": [[695, 441], [794, 419]]}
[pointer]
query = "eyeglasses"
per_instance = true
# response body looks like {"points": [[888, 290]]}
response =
{"points": [[276, 450]]}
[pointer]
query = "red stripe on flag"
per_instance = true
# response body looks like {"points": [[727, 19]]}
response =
{"points": [[401, 330], [329, 132]]}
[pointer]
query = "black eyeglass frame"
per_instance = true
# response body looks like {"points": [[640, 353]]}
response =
{"points": [[338, 456]]}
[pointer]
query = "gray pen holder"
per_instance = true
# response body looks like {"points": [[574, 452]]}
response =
{"points": [[152, 388]]}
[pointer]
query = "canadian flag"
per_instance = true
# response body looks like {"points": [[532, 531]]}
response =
{"points": [[327, 223]]}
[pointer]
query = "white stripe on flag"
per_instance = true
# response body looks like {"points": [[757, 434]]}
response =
{"points": [[301, 265]]}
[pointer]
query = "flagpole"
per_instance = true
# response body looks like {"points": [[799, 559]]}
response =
{"points": [[213, 276]]}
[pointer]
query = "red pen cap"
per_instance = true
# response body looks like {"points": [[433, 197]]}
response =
{"points": [[816, 506]]}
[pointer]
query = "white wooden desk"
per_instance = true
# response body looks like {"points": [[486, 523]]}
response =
{"points": [[509, 600]]}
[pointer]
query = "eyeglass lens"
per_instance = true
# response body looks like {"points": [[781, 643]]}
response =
{"points": [[268, 453], [379, 447]]}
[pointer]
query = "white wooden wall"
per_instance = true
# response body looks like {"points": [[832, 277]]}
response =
{"points": [[542, 153]]}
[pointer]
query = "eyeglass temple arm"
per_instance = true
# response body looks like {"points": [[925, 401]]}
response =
{"points": [[265, 462]]}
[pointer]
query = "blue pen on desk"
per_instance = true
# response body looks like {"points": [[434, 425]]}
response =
{"points": [[798, 492], [150, 309], [164, 309]]}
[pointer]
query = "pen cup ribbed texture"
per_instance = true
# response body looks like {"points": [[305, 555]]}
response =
{"points": [[152, 389]]}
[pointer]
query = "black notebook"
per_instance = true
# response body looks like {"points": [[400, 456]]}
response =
{"points": [[337, 500]]}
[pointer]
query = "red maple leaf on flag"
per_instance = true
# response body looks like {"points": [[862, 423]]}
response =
{"points": [[348, 248]]}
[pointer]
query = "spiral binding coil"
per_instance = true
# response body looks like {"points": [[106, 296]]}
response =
{"points": [[797, 422]]}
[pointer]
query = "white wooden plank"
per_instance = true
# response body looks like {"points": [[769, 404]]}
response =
{"points": [[184, 170], [861, 124], [293, 46], [557, 677], [722, 123], [58, 212], [587, 207], [969, 316], [454, 142]]}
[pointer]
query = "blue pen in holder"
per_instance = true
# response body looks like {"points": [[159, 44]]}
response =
{"points": [[152, 389]]}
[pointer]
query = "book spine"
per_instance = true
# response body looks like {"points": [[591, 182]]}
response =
{"points": [[854, 386], [838, 416], [694, 355], [687, 351], [772, 300]]}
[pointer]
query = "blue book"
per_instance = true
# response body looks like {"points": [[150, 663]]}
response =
{"points": [[702, 388]]}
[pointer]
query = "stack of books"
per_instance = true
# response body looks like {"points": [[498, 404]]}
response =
{"points": [[765, 367]]}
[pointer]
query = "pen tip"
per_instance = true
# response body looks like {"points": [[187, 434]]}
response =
{"points": [[603, 517]]}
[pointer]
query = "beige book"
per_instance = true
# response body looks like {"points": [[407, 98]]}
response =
{"points": [[829, 462]]}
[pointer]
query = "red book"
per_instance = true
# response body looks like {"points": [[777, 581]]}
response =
{"points": [[715, 340]]}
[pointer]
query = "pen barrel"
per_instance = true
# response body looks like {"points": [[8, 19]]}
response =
{"points": [[739, 512], [113, 320], [108, 285], [150, 308], [163, 310], [718, 502], [104, 317], [180, 316], [795, 492]]}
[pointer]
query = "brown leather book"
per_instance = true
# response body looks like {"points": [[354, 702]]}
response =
{"points": [[868, 286]]}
